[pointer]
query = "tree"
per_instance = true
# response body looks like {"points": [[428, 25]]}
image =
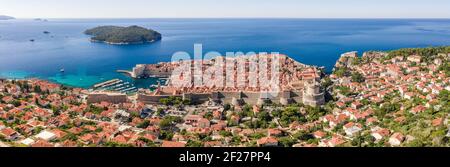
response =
{"points": [[193, 143], [144, 124], [314, 113], [264, 116], [415, 143], [187, 102], [115, 144], [327, 82], [168, 121], [165, 101], [16, 103], [226, 107], [286, 141], [357, 140], [172, 100], [236, 140], [225, 133], [341, 72], [446, 68], [166, 135], [148, 142], [37, 89], [344, 90], [159, 111], [291, 114], [358, 77], [302, 135], [94, 109], [165, 123], [444, 96], [357, 61]]}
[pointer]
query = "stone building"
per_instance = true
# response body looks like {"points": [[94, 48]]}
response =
{"points": [[110, 97], [312, 94]]}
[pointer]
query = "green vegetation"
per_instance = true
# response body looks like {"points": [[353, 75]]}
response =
{"points": [[123, 35], [286, 141], [290, 114], [346, 91], [165, 135], [193, 143], [144, 124], [173, 100], [314, 113], [302, 135], [426, 53], [341, 72], [446, 68], [358, 77], [94, 109], [148, 142], [225, 133], [115, 144], [357, 61], [327, 82], [168, 121]]}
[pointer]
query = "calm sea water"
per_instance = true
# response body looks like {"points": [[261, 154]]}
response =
{"points": [[311, 41]]}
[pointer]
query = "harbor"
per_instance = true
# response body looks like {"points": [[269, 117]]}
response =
{"points": [[116, 85]]}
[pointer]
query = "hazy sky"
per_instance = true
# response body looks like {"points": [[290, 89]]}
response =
{"points": [[226, 8]]}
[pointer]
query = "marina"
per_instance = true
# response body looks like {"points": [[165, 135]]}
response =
{"points": [[116, 85]]}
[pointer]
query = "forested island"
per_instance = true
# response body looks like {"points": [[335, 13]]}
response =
{"points": [[123, 35], [3, 17]]}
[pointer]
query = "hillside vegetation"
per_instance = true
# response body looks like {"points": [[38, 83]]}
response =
{"points": [[123, 35]]}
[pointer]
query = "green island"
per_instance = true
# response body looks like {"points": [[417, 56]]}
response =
{"points": [[123, 35]]}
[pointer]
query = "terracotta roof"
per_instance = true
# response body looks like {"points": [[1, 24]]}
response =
{"points": [[319, 134], [437, 122], [8, 132], [42, 143], [267, 140], [172, 144]]}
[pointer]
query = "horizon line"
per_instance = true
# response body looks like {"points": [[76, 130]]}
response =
{"points": [[231, 17]]}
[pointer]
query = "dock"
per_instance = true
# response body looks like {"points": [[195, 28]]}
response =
{"points": [[116, 85], [125, 72], [105, 83]]}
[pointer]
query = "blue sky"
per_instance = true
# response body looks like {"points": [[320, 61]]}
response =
{"points": [[226, 8]]}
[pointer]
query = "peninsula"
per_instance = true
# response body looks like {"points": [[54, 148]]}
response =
{"points": [[123, 35], [398, 98]]}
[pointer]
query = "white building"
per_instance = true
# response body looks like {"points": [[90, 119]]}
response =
{"points": [[27, 141], [46, 135], [396, 139]]}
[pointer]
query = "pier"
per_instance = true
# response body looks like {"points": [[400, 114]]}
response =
{"points": [[105, 83], [116, 85], [125, 72]]}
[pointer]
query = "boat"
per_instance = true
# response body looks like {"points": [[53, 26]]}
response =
{"points": [[62, 70]]}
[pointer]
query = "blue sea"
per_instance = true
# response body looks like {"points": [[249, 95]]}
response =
{"points": [[311, 41]]}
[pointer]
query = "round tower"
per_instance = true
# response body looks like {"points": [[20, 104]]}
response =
{"points": [[312, 94]]}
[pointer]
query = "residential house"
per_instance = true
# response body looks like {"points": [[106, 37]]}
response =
{"points": [[267, 142], [396, 139]]}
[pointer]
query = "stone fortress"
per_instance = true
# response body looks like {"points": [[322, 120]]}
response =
{"points": [[296, 82]]}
